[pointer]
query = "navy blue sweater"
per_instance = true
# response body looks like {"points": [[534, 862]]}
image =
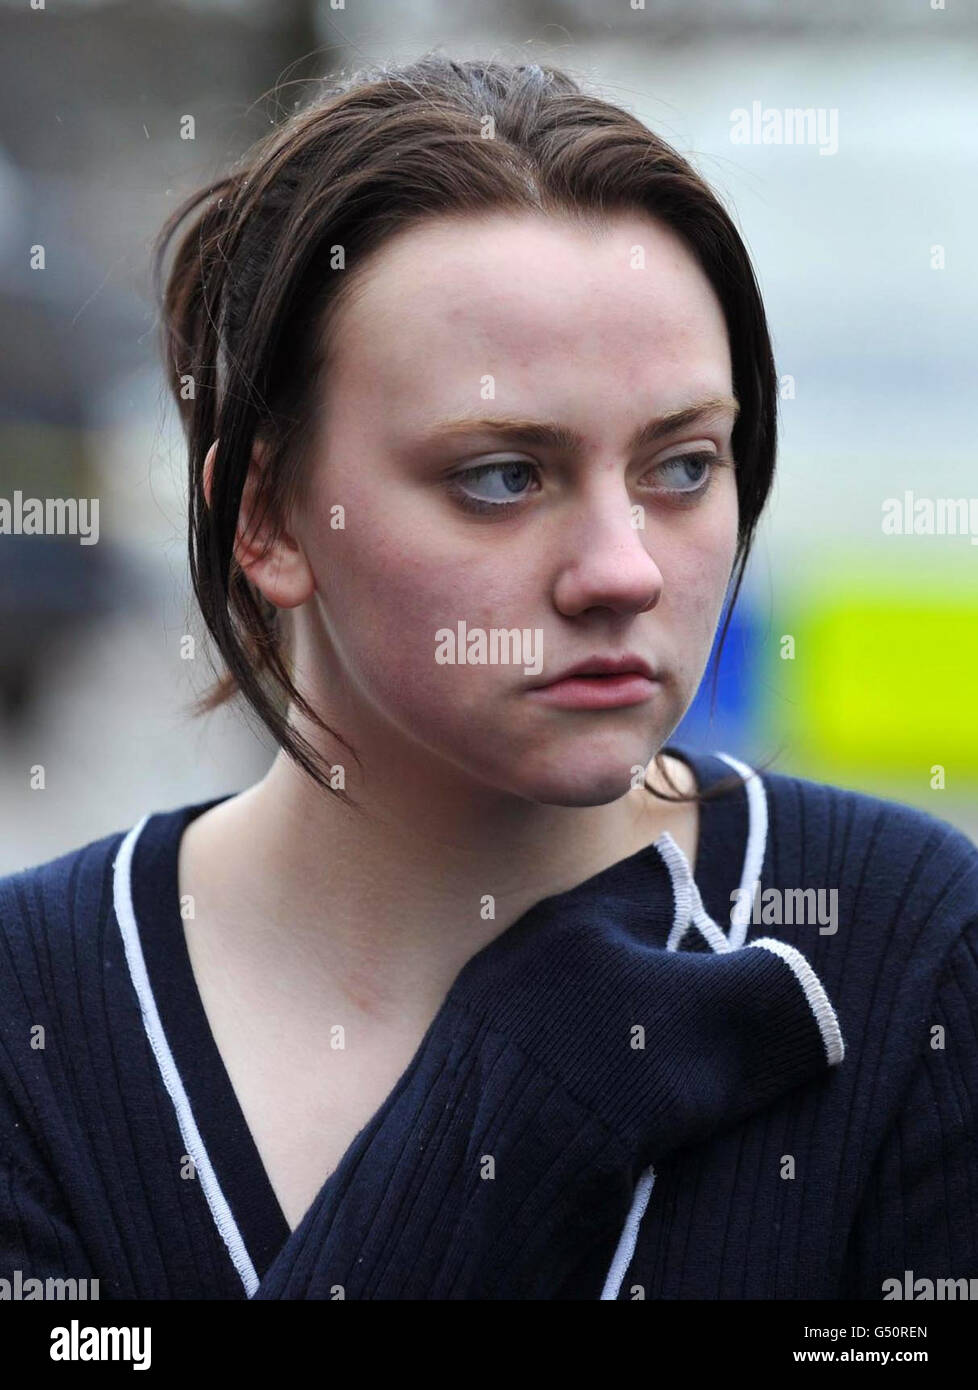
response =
{"points": [[633, 1092]]}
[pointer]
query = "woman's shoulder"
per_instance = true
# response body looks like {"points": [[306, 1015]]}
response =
{"points": [[53, 920], [72, 1039], [59, 894], [72, 884], [900, 883], [868, 826], [57, 918], [809, 831]]}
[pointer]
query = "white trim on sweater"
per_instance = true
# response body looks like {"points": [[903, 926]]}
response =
{"points": [[818, 1000], [756, 845], [195, 1147], [690, 912], [626, 1243]]}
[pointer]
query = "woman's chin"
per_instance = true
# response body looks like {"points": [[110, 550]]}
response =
{"points": [[580, 784]]}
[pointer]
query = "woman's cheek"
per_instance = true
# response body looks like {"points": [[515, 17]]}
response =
{"points": [[387, 626]]}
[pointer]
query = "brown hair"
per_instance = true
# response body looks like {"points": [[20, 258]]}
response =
{"points": [[251, 301]]}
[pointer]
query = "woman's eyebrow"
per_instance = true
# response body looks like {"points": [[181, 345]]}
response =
{"points": [[548, 432]]}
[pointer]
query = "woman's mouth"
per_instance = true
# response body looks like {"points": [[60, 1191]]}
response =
{"points": [[598, 691]]}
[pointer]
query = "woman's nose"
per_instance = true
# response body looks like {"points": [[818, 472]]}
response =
{"points": [[607, 562]]}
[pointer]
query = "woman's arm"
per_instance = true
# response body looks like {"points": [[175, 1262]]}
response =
{"points": [[508, 1153]]}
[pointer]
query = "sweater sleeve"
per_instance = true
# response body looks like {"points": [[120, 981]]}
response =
{"points": [[505, 1159], [920, 1210]]}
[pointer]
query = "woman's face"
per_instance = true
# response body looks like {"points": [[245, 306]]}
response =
{"points": [[520, 318]]}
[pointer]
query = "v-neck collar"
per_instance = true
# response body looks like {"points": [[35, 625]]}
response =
{"points": [[220, 1120]]}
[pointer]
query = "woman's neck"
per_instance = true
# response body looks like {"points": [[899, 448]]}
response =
{"points": [[379, 912]]}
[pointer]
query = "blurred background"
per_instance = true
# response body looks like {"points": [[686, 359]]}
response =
{"points": [[853, 654]]}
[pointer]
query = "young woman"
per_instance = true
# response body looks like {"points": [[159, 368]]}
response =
{"points": [[468, 997]]}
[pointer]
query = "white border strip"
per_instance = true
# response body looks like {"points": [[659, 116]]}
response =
{"points": [[678, 866], [689, 911], [740, 913], [818, 1000], [126, 917], [629, 1236]]}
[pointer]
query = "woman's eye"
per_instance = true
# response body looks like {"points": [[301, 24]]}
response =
{"points": [[687, 473], [500, 485]]}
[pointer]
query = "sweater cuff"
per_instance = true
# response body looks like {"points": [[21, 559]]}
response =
{"points": [[663, 1047]]}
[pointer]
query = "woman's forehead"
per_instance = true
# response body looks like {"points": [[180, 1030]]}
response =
{"points": [[532, 297]]}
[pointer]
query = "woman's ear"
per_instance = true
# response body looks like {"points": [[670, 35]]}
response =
{"points": [[275, 563]]}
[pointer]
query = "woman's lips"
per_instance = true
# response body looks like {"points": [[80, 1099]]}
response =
{"points": [[596, 692]]}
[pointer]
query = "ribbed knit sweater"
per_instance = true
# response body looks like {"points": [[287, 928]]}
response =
{"points": [[635, 1091]]}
